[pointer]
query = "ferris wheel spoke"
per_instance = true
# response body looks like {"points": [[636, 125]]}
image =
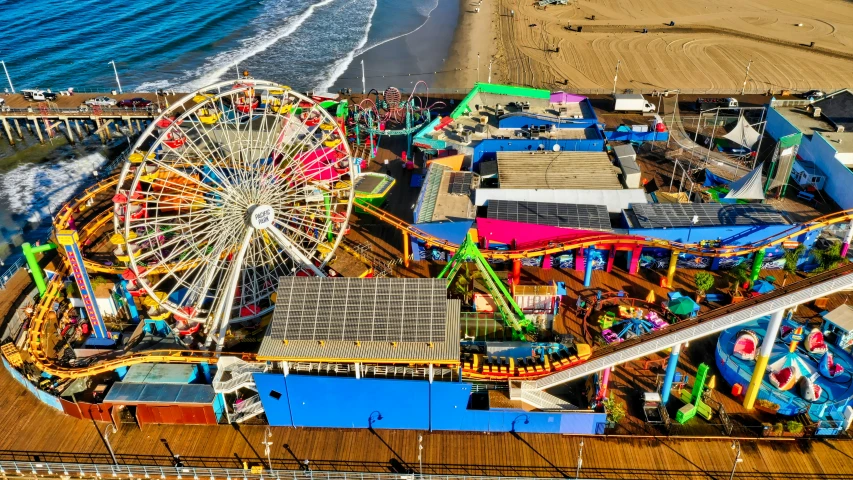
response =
{"points": [[294, 251], [224, 310]]}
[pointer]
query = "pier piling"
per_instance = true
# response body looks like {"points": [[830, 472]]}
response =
{"points": [[68, 132], [8, 132], [38, 130], [18, 128]]}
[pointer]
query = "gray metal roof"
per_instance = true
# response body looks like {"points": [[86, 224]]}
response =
{"points": [[660, 215], [567, 215], [354, 319], [129, 393]]}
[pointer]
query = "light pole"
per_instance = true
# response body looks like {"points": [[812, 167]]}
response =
{"points": [[420, 456], [693, 221], [526, 421], [478, 67], [8, 78], [106, 436], [113, 63], [267, 443], [735, 445], [746, 77], [616, 77], [580, 461]]}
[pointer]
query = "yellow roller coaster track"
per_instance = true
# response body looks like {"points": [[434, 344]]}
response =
{"points": [[559, 245], [553, 246]]}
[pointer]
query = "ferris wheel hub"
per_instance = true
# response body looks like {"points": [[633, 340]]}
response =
{"points": [[260, 216]]}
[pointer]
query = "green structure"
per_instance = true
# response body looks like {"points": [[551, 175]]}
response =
{"points": [[693, 399], [511, 312], [372, 188], [757, 261], [30, 253]]}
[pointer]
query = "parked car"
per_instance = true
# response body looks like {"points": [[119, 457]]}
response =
{"points": [[101, 102], [816, 94], [35, 95], [138, 102]]}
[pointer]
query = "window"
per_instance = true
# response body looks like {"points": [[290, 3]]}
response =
{"points": [[275, 395], [815, 179]]}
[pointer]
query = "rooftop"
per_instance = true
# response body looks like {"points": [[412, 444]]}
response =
{"points": [[352, 319], [808, 124], [837, 107], [589, 217], [446, 195], [668, 215], [125, 393], [557, 170]]}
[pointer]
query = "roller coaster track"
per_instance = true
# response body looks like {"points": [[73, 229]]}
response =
{"points": [[562, 244], [705, 324]]}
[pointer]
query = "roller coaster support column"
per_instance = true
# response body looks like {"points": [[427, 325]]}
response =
{"points": [[587, 275], [762, 358], [611, 256], [634, 260], [406, 244], [671, 366], [516, 271], [546, 261], [756, 264], [670, 273], [847, 238], [579, 260], [32, 262]]}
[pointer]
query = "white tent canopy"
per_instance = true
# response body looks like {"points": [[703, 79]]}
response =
{"points": [[743, 134], [748, 187]]}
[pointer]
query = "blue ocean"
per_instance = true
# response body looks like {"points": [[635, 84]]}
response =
{"points": [[191, 43], [183, 45]]}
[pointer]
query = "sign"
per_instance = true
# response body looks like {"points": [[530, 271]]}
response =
{"points": [[790, 245], [68, 239], [257, 469], [797, 337]]}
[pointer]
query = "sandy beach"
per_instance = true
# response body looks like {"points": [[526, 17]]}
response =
{"points": [[707, 49]]}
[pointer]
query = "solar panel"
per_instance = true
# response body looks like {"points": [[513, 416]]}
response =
{"points": [[360, 309], [659, 215], [460, 183], [570, 215]]}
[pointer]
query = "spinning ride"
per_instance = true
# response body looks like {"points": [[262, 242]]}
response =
{"points": [[389, 114], [239, 187]]}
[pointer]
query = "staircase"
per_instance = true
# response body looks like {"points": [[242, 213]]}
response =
{"points": [[539, 398], [249, 408], [233, 374]]}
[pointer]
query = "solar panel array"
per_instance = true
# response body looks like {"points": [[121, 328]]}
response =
{"points": [[359, 309], [592, 217], [460, 183], [708, 214]]}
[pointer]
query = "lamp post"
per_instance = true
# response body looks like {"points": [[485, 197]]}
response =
{"points": [[580, 461], [478, 67], [693, 221], [746, 77], [526, 421], [113, 63], [267, 443], [373, 418], [106, 436], [8, 78], [735, 446], [420, 456], [616, 76]]}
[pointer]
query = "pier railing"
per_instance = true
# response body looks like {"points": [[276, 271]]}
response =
{"points": [[6, 273]]}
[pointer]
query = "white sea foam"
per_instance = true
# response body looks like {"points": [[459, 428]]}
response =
{"points": [[341, 66], [224, 62], [38, 189]]}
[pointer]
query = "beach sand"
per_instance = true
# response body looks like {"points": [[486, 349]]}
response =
{"points": [[707, 50]]}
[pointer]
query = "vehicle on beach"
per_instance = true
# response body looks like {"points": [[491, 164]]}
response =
{"points": [[815, 94], [138, 102], [712, 103], [101, 102], [631, 103], [35, 95]]}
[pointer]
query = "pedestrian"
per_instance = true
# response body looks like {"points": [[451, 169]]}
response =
{"points": [[306, 465]]}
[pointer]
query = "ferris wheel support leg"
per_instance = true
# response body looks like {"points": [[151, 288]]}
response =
{"points": [[847, 238], [294, 251], [223, 311]]}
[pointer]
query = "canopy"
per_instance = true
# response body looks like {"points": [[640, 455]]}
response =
{"points": [[748, 187], [682, 306], [563, 97], [743, 134], [130, 274], [762, 287], [712, 180]]}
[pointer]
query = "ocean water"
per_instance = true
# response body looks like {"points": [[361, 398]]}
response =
{"points": [[181, 45], [191, 43]]}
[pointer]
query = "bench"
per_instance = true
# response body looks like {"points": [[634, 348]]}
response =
{"points": [[714, 297], [805, 195]]}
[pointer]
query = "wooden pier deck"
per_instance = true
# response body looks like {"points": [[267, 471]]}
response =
{"points": [[33, 431]]}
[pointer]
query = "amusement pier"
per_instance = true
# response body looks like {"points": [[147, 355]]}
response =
{"points": [[280, 284]]}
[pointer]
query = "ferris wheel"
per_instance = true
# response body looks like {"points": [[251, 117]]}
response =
{"points": [[229, 189]]}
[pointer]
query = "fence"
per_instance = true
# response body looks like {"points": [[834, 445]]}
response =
{"points": [[10, 271], [98, 471]]}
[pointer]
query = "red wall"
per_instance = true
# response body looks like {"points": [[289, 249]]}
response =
{"points": [[175, 414], [94, 411]]}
